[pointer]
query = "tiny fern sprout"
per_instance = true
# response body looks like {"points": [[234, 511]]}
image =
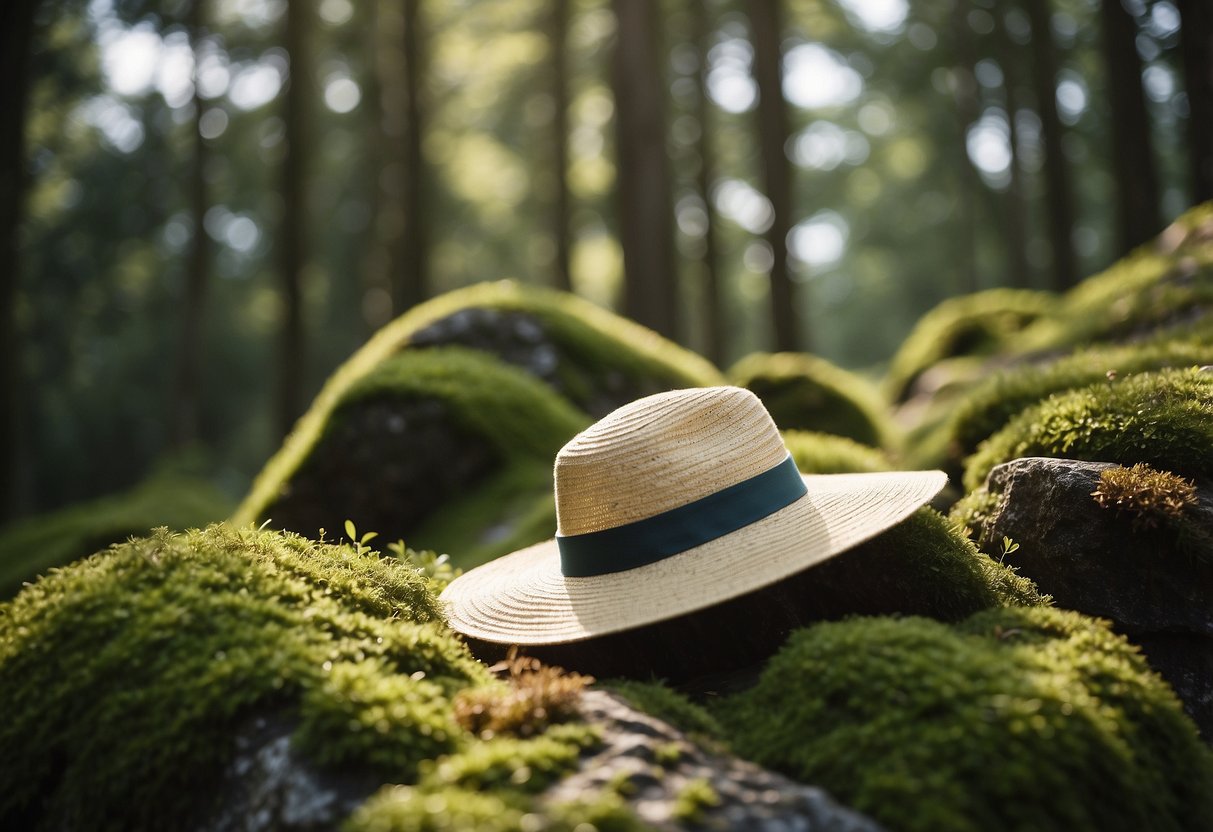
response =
{"points": [[1008, 547], [360, 546]]}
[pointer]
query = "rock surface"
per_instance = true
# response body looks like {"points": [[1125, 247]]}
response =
{"points": [[1093, 560], [652, 765]]}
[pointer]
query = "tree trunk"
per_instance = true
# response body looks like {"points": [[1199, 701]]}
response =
{"points": [[16, 33], [968, 183], [558, 37], [1137, 209], [777, 170], [294, 216], [713, 313], [411, 285], [185, 417], [1056, 168], [646, 227], [1196, 46], [1015, 204]]}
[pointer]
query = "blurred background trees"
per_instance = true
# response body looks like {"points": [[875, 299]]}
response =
{"points": [[205, 205]]}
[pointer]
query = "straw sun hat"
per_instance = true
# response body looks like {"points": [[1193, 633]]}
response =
{"points": [[671, 504]]}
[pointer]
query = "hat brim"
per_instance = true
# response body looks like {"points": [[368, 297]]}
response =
{"points": [[522, 598]]}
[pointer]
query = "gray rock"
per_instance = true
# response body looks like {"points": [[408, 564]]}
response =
{"points": [[657, 762], [1093, 560]]}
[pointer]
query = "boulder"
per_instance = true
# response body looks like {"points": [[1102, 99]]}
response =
{"points": [[1154, 584]]}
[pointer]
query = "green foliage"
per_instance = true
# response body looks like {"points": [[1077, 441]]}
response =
{"points": [[1152, 497], [1015, 719], [824, 453], [1162, 419], [34, 545], [993, 402], [124, 678], [969, 325], [655, 699], [804, 392]]}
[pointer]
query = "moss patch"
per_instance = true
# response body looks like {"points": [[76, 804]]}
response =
{"points": [[1014, 719], [976, 324], [993, 402], [655, 699], [124, 678], [824, 453], [803, 392], [32, 546], [1163, 419]]}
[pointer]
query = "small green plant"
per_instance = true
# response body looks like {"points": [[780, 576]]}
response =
{"points": [[668, 754], [1153, 497], [359, 542], [1009, 546]]}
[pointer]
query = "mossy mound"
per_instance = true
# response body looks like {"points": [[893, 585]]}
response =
{"points": [[804, 392], [419, 436], [1014, 719], [993, 402], [1165, 286], [124, 678], [1164, 419], [824, 453], [972, 325], [31, 546]]}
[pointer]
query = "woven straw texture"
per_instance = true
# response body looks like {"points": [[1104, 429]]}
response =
{"points": [[646, 458]]}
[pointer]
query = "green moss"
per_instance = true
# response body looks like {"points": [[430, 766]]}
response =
{"points": [[823, 453], [694, 798], [405, 809], [529, 765], [32, 546], [593, 336], [1160, 287], [804, 392], [922, 566], [655, 699], [993, 402], [972, 510], [976, 324], [1163, 419], [124, 678], [1015, 719]]}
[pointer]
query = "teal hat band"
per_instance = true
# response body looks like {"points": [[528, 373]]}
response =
{"points": [[657, 537]]}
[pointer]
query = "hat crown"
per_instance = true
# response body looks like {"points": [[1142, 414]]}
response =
{"points": [[662, 452]]}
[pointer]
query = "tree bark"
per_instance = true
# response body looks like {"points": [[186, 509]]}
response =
{"points": [[185, 418], [777, 170], [1196, 47], [968, 182], [16, 34], [645, 206], [1056, 169], [1137, 209], [713, 312], [292, 235], [558, 37], [1015, 203], [411, 286]]}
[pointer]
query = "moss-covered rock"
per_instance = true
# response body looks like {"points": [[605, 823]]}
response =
{"points": [[1162, 287], [804, 392], [824, 453], [445, 431], [992, 403], [124, 678], [31, 546], [1014, 719], [1164, 419], [962, 327]]}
